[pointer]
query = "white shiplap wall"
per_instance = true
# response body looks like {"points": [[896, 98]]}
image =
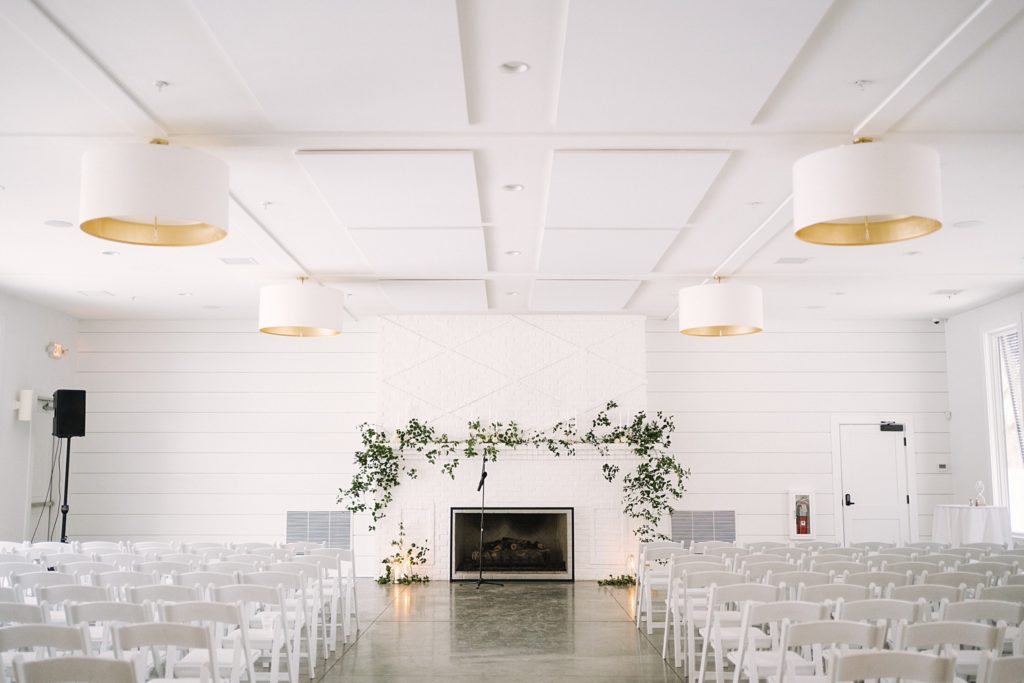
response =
{"points": [[209, 430], [753, 414]]}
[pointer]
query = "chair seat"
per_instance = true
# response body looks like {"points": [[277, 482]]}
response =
{"points": [[225, 658], [730, 635], [967, 661], [767, 661]]}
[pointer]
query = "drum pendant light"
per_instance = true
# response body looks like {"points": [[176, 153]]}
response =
{"points": [[721, 310], [867, 194], [301, 309], [154, 195]]}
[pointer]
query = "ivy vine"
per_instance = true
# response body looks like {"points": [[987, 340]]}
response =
{"points": [[647, 490]]}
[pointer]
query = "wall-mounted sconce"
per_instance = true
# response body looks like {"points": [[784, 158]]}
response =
{"points": [[56, 350], [26, 399]]}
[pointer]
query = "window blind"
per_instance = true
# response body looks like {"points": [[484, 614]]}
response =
{"points": [[1009, 352]]}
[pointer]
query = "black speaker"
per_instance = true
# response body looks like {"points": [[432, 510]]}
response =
{"points": [[68, 413]]}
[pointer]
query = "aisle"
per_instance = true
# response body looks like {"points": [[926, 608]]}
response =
{"points": [[523, 632]]}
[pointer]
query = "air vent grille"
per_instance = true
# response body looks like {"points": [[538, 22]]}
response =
{"points": [[694, 526], [331, 527]]}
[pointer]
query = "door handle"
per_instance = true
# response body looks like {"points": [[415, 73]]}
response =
{"points": [[848, 501]]}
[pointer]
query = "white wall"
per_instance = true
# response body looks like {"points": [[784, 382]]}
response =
{"points": [[210, 430], [968, 391], [753, 414], [25, 331], [536, 370]]}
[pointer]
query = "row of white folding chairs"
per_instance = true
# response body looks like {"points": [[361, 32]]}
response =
{"points": [[39, 549], [710, 596], [281, 596], [337, 565], [818, 587], [95, 628], [997, 570]]}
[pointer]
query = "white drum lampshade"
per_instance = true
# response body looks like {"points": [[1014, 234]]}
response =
{"points": [[154, 195], [721, 310], [301, 309], [870, 193]]}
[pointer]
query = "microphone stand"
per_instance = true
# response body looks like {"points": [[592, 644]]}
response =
{"points": [[482, 488]]}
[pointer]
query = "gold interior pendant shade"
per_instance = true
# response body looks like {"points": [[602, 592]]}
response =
{"points": [[864, 194], [154, 195]]}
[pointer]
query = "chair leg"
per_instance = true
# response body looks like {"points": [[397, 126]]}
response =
{"points": [[704, 655]]}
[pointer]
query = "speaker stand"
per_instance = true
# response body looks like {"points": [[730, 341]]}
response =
{"points": [[482, 488], [64, 508]]}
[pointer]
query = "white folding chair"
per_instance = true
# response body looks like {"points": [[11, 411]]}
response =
{"points": [[945, 637], [84, 571], [38, 641], [296, 609], [764, 546], [987, 547], [935, 598], [119, 582], [929, 547], [816, 546], [28, 585], [20, 613], [136, 640], [720, 633], [99, 618], [346, 574], [54, 559], [8, 595], [263, 606], [993, 612], [892, 615], [654, 578], [94, 547], [906, 666], [821, 638], [204, 582], [832, 593], [701, 547], [53, 598], [790, 582], [252, 545], [164, 569], [302, 547], [872, 546], [224, 620], [229, 567], [123, 561], [877, 583], [968, 582], [313, 575], [153, 548], [1001, 669], [760, 571], [689, 609], [760, 643], [976, 554], [993, 573], [1011, 593], [74, 670], [838, 569], [677, 594], [151, 595]]}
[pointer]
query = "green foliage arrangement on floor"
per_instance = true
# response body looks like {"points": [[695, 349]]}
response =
{"points": [[621, 581], [648, 490], [406, 558]]}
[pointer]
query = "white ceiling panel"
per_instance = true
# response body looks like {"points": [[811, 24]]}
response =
{"points": [[203, 94], [443, 251], [354, 65], [835, 82], [630, 189], [436, 296], [603, 252], [40, 96], [397, 189], [669, 65], [977, 96], [581, 295]]}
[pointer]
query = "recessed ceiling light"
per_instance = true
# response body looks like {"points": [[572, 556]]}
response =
{"points": [[815, 307], [211, 307], [58, 223], [511, 293], [969, 224], [95, 292], [513, 252], [239, 261], [514, 187], [110, 253], [912, 253], [838, 293], [184, 293], [515, 67], [792, 260], [947, 292]]}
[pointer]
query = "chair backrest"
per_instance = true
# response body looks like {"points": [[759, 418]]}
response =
{"points": [[124, 580], [989, 547], [53, 559], [995, 570], [936, 547], [848, 553], [249, 594], [1012, 561], [839, 567], [273, 554], [907, 552], [58, 595], [252, 545], [654, 555], [123, 560], [108, 612], [1015, 580], [228, 567], [101, 546], [19, 613], [994, 669], [821, 636], [191, 559], [958, 579], [969, 553], [915, 567], [248, 558], [876, 609], [942, 634], [75, 670], [730, 552], [162, 592], [928, 592], [282, 579], [30, 582], [766, 612], [1010, 613], [199, 546], [49, 636], [302, 547], [86, 569], [947, 560], [702, 546], [204, 580], [762, 546], [816, 545], [884, 558], [790, 582], [164, 569], [8, 594], [153, 546], [872, 546], [767, 556], [1011, 593], [703, 579], [174, 637], [759, 570], [912, 666], [881, 580], [832, 592], [739, 593]]}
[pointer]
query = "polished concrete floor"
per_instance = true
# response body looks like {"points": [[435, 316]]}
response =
{"points": [[531, 632]]}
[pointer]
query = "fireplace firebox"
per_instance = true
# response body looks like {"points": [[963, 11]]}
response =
{"points": [[520, 544]]}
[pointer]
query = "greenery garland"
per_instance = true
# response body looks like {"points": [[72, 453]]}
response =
{"points": [[647, 490]]}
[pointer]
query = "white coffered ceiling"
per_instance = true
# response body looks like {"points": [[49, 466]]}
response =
{"points": [[380, 146]]}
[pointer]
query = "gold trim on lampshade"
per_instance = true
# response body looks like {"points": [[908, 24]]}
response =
{"points": [[297, 331], [154, 195], [864, 194], [722, 331]]}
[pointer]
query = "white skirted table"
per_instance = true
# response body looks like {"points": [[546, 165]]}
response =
{"points": [[960, 524]]}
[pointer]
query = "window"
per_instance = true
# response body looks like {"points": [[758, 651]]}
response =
{"points": [[1008, 458]]}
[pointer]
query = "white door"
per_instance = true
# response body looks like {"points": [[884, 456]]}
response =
{"points": [[874, 494]]}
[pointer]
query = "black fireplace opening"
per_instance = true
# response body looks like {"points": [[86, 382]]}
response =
{"points": [[519, 543]]}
